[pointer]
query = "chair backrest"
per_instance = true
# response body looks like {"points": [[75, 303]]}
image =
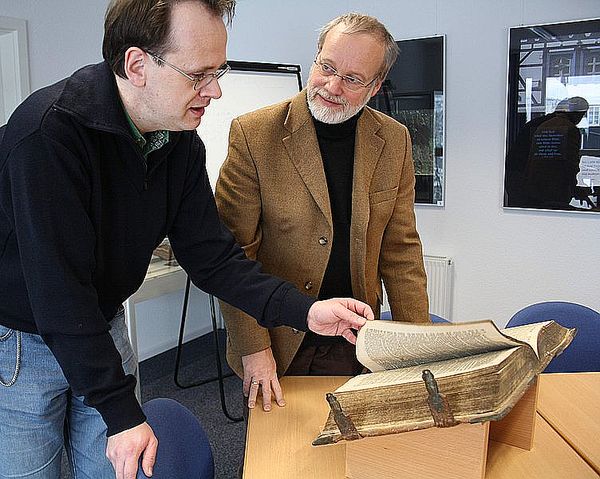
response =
{"points": [[583, 354], [183, 448], [437, 319], [434, 317]]}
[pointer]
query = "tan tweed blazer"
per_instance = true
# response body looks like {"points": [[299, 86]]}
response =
{"points": [[272, 194]]}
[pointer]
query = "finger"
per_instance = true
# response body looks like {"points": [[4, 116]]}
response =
{"points": [[118, 470], [350, 319], [149, 457], [116, 464], [362, 309], [130, 468], [254, 385], [349, 335], [266, 395], [246, 384], [277, 392], [367, 313]]}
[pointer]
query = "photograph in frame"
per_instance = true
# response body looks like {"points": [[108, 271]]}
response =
{"points": [[413, 94], [552, 159]]}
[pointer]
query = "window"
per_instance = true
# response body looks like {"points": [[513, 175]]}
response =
{"points": [[560, 65], [593, 115]]}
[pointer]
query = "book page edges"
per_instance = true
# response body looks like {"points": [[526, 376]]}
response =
{"points": [[331, 434], [525, 360]]}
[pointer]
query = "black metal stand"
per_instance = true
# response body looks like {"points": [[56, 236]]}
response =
{"points": [[220, 376]]}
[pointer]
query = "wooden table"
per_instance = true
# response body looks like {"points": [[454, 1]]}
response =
{"points": [[570, 403], [278, 444]]}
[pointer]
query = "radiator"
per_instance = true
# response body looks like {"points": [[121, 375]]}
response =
{"points": [[439, 286]]}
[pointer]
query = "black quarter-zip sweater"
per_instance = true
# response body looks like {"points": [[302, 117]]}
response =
{"points": [[79, 219]]}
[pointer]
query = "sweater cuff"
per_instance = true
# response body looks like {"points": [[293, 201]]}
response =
{"points": [[290, 308], [121, 413]]}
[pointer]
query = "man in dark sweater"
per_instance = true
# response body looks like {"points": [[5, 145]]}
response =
{"points": [[320, 189], [94, 172]]}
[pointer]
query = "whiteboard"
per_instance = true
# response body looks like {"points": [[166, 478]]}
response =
{"points": [[247, 87]]}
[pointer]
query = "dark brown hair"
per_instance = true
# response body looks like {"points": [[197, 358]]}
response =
{"points": [[146, 24]]}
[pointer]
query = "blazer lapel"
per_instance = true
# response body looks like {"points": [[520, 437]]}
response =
{"points": [[302, 147], [367, 150]]}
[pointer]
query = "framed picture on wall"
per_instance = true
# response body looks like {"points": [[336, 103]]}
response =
{"points": [[413, 94], [552, 159]]}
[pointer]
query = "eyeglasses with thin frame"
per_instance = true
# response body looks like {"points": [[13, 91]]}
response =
{"points": [[199, 80], [350, 82]]}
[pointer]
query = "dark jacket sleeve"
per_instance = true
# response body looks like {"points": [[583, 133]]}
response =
{"points": [[217, 264]]}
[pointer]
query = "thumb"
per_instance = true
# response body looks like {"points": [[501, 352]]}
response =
{"points": [[149, 457], [349, 335]]}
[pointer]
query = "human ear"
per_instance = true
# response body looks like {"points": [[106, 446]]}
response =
{"points": [[377, 87], [134, 64]]}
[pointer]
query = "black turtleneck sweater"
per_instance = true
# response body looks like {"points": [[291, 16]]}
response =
{"points": [[336, 143]]}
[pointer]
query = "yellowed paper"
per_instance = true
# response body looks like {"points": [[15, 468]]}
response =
{"points": [[383, 345], [440, 369], [528, 333]]}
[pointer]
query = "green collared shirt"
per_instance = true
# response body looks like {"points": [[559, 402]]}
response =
{"points": [[153, 140]]}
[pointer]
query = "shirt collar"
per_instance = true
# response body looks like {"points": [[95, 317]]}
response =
{"points": [[153, 140]]}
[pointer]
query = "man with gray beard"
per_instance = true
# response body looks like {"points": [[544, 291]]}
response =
{"points": [[320, 190]]}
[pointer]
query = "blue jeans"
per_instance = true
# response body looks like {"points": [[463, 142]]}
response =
{"points": [[39, 414]]}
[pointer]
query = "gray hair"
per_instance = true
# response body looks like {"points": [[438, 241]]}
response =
{"points": [[359, 23]]}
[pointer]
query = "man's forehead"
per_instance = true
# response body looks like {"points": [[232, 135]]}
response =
{"points": [[198, 38], [341, 35], [360, 52]]}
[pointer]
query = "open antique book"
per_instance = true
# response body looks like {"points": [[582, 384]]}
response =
{"points": [[427, 375]]}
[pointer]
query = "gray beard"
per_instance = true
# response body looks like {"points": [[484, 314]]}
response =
{"points": [[325, 114]]}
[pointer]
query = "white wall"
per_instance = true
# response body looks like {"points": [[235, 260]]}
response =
{"points": [[504, 259], [63, 35]]}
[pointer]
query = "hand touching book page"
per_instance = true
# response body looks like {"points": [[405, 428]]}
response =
{"points": [[479, 371]]}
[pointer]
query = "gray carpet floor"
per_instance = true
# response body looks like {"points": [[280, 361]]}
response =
{"points": [[198, 363]]}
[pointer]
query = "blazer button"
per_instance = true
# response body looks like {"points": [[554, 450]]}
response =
{"points": [[308, 285], [322, 240]]}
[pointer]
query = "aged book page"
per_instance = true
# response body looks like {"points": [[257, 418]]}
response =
{"points": [[440, 369], [546, 338], [383, 345], [528, 333]]}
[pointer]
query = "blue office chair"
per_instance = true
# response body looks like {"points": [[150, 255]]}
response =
{"points": [[437, 319], [583, 354], [434, 317], [183, 448]]}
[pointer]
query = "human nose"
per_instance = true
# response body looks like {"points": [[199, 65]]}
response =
{"points": [[212, 90], [335, 84]]}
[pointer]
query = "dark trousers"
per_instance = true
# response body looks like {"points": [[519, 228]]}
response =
{"points": [[334, 359]]}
